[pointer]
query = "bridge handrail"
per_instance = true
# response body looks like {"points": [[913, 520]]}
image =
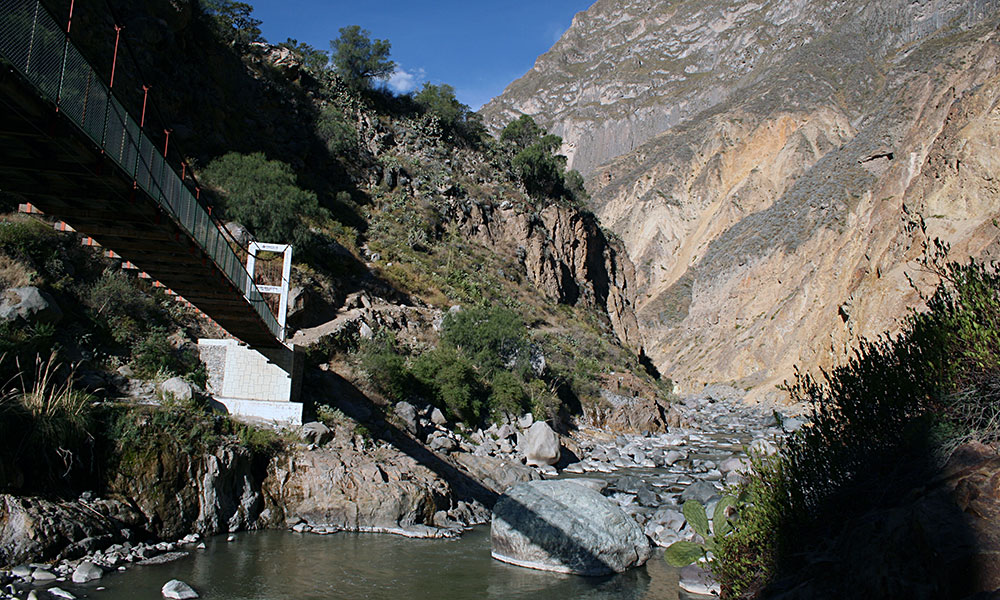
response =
{"points": [[40, 50]]}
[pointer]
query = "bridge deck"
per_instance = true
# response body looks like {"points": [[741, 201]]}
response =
{"points": [[48, 158]]}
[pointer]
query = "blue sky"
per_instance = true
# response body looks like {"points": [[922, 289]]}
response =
{"points": [[478, 47]]}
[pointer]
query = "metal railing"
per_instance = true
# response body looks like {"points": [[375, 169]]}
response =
{"points": [[40, 49]]}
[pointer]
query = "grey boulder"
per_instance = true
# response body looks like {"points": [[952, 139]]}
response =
{"points": [[541, 445], [29, 304], [407, 415], [86, 571], [177, 388], [565, 527], [316, 433], [175, 589]]}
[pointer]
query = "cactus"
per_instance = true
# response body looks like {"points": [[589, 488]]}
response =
{"points": [[683, 553]]}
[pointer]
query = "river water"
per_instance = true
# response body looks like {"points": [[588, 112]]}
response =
{"points": [[278, 564]]}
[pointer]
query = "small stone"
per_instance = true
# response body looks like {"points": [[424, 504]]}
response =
{"points": [[61, 593], [176, 589], [526, 421], [22, 571], [42, 575], [201, 546], [231, 538], [696, 580], [438, 418]]}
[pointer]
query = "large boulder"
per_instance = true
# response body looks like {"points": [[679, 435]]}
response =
{"points": [[541, 445], [177, 388], [29, 304], [565, 527], [407, 415]]}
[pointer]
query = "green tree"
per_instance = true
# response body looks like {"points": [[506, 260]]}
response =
{"points": [[315, 61], [521, 133], [358, 59], [440, 100], [541, 170], [262, 195], [234, 22], [339, 134]]}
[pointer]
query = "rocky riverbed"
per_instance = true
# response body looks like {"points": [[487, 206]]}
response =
{"points": [[648, 475]]}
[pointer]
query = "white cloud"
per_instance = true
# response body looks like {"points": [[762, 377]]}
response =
{"points": [[402, 81]]}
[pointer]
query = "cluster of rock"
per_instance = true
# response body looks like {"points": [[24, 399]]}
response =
{"points": [[24, 581], [650, 477]]}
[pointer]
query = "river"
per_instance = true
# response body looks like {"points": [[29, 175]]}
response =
{"points": [[270, 565]]}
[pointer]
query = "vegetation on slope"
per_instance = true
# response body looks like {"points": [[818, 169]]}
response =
{"points": [[882, 426]]}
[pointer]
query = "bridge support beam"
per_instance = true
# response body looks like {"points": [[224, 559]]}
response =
{"points": [[261, 383]]}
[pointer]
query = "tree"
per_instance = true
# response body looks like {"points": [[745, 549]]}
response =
{"points": [[262, 195], [440, 100], [521, 133], [235, 22], [358, 59], [315, 61]]}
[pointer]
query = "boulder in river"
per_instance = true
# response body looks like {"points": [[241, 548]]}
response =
{"points": [[541, 445], [175, 589], [565, 527]]}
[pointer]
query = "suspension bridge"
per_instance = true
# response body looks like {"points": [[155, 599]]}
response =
{"points": [[70, 148]]}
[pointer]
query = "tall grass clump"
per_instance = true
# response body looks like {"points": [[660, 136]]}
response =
{"points": [[882, 424], [46, 425]]}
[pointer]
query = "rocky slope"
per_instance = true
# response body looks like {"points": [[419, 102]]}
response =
{"points": [[766, 218]]}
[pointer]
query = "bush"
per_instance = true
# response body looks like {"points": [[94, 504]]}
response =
{"points": [[492, 338], [452, 384], [118, 300], [507, 396], [154, 356], [337, 132], [386, 367], [262, 195], [881, 424]]}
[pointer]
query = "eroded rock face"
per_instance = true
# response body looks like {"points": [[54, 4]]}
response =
{"points": [[177, 493], [39, 529], [760, 161], [565, 527], [565, 254], [350, 490]]}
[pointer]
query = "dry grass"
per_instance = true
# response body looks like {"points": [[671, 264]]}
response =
{"points": [[14, 273]]}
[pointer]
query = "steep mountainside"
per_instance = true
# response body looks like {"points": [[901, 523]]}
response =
{"points": [[766, 222]]}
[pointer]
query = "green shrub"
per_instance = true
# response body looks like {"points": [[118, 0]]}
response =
{"points": [[154, 356], [881, 423], [118, 300], [507, 396], [386, 366], [492, 338], [336, 131], [263, 195], [452, 384]]}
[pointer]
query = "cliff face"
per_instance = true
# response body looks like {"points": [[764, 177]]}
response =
{"points": [[627, 70], [766, 224], [564, 254]]}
